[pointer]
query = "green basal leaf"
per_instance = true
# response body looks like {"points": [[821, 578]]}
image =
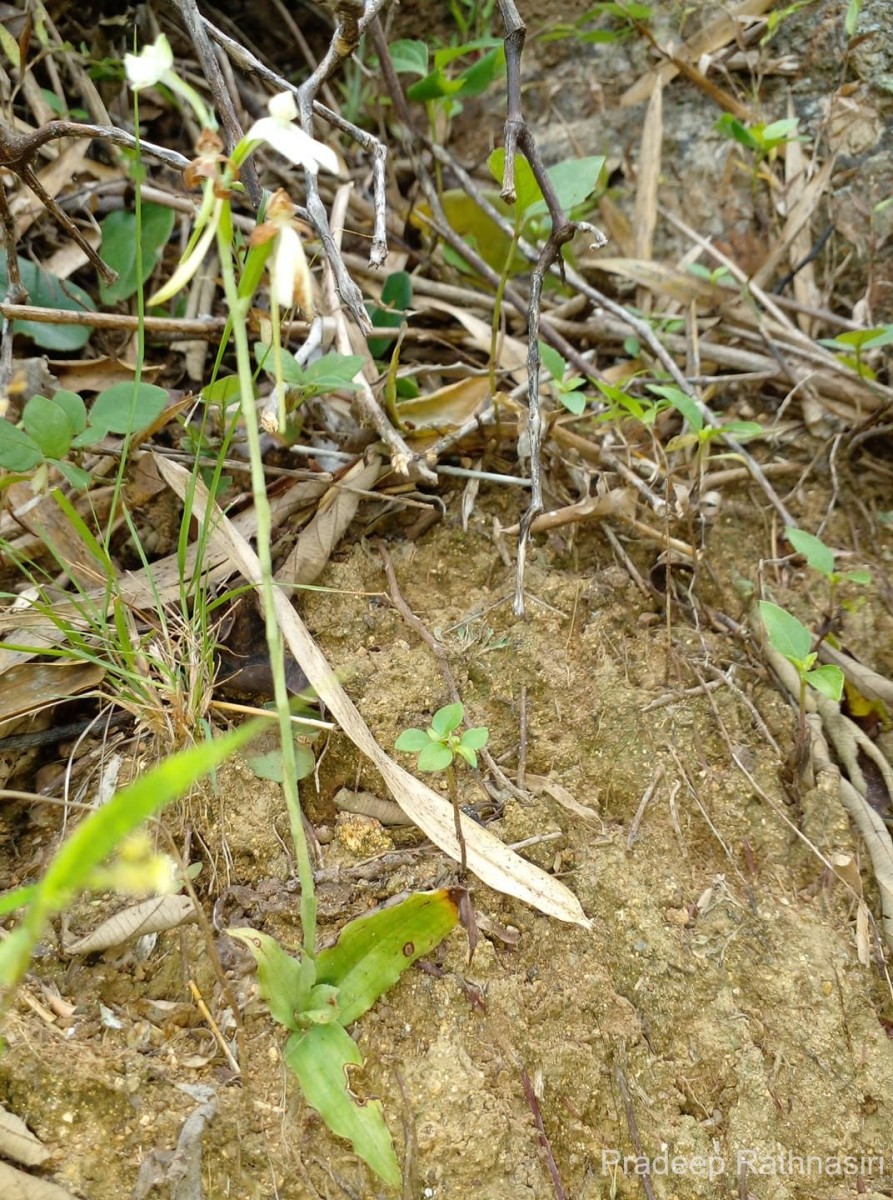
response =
{"points": [[18, 452], [448, 718], [131, 251], [373, 951], [321, 1008], [828, 680], [319, 1059], [285, 982], [127, 407], [434, 757], [412, 740], [48, 424], [18, 898], [787, 635], [46, 291], [819, 556]]}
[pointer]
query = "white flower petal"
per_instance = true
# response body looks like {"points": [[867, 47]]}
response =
{"points": [[294, 144], [289, 273], [148, 67], [282, 107]]}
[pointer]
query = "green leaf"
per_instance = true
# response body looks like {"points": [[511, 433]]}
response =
{"points": [[573, 401], [412, 740], [319, 1060], [127, 407], [477, 78], [76, 476], [131, 251], [18, 452], [10, 47], [73, 407], [223, 391], [448, 718], [684, 404], [786, 634], [99, 833], [468, 755], [434, 87], [284, 981], [373, 951], [409, 56], [828, 680], [527, 190], [476, 738], [741, 429], [859, 576], [851, 20], [333, 372], [779, 131], [552, 361], [48, 424], [731, 127], [434, 757], [397, 295], [574, 180], [819, 556], [46, 291]]}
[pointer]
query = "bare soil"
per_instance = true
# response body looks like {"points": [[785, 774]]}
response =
{"points": [[718, 996]]}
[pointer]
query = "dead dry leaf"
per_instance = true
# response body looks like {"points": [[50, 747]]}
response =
{"points": [[712, 37], [446, 408], [29, 687], [151, 916], [18, 1143], [337, 508], [493, 863], [16, 1185], [543, 785]]}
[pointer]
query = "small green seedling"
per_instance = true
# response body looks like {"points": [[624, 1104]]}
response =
{"points": [[568, 388], [821, 558], [793, 641], [437, 748], [699, 434], [762, 140], [850, 346]]}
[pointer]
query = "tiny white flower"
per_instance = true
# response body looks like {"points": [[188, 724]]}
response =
{"points": [[149, 66], [279, 131]]}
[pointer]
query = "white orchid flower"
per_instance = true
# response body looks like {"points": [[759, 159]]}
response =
{"points": [[279, 131], [290, 281], [149, 66], [155, 64]]}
